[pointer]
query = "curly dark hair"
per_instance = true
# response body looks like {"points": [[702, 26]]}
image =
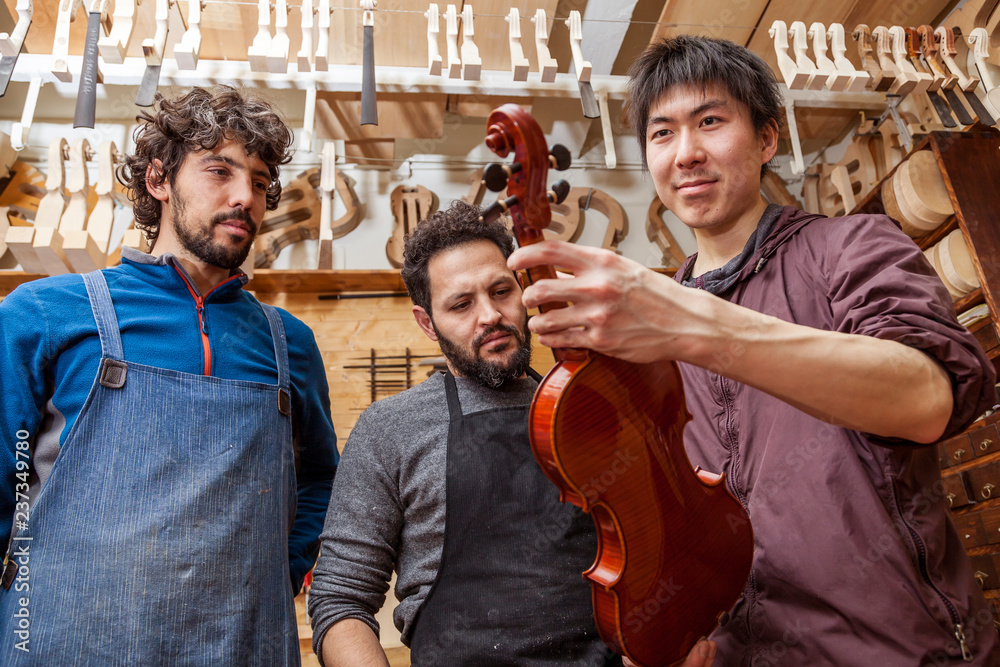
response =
{"points": [[687, 60], [457, 225], [200, 120]]}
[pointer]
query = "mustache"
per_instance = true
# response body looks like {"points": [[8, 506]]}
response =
{"points": [[497, 328], [697, 176], [236, 214]]}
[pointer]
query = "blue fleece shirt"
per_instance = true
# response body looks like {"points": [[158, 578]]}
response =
{"points": [[50, 352]]}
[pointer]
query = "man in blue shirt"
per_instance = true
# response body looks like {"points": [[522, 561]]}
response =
{"points": [[168, 448]]}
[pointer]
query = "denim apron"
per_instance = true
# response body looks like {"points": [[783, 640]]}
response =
{"points": [[161, 534], [509, 590]]}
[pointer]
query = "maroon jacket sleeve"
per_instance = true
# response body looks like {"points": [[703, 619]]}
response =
{"points": [[881, 285]]}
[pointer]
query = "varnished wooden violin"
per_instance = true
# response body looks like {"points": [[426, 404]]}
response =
{"points": [[673, 552]]}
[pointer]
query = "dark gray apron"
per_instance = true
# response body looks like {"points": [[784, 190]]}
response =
{"points": [[161, 535], [509, 590]]}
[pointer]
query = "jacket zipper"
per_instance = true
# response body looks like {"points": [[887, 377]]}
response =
{"points": [[199, 302], [740, 494], [958, 630]]}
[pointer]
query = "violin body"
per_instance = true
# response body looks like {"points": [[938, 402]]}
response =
{"points": [[673, 552]]}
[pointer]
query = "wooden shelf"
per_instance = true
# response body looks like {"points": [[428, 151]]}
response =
{"points": [[969, 164], [970, 300], [11, 279], [275, 280], [272, 280]]}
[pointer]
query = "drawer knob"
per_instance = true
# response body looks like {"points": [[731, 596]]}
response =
{"points": [[988, 490], [985, 444], [951, 499], [982, 577], [959, 453]]}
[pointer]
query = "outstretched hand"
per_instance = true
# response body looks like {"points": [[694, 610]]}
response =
{"points": [[618, 307]]}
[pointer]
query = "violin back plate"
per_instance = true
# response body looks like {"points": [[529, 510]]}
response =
{"points": [[673, 553]]}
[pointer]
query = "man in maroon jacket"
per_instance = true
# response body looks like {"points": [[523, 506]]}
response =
{"points": [[816, 352]]}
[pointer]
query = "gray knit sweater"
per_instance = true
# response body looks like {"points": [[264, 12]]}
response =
{"points": [[388, 504]]}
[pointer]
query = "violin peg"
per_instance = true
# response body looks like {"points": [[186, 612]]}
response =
{"points": [[496, 209], [559, 191], [560, 158], [495, 177]]}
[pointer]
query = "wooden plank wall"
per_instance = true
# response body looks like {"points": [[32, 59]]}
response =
{"points": [[347, 329]]}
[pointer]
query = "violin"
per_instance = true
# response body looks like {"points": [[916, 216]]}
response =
{"points": [[673, 552]]}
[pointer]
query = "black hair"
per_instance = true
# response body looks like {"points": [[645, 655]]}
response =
{"points": [[457, 225], [688, 60]]}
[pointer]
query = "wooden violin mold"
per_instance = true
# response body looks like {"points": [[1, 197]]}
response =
{"points": [[410, 205]]}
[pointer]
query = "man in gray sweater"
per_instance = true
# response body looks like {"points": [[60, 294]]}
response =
{"points": [[439, 483]]}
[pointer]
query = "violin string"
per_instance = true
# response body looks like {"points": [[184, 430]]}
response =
{"points": [[397, 162]]}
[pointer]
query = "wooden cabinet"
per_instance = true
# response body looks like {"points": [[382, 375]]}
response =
{"points": [[970, 461], [970, 165]]}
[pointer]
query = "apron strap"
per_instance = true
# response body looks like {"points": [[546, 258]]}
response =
{"points": [[112, 374], [451, 393], [113, 367], [280, 357]]}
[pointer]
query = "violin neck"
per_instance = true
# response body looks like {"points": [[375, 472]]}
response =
{"points": [[544, 273], [527, 235]]}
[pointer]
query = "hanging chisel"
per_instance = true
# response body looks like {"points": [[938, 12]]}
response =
{"points": [[369, 109], [90, 74], [153, 49]]}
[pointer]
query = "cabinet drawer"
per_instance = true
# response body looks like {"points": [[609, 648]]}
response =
{"points": [[984, 570], [943, 460], [991, 524], [970, 530], [985, 440], [956, 490], [984, 481], [958, 449], [986, 334]]}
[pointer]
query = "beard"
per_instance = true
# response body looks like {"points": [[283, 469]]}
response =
{"points": [[491, 374], [200, 242]]}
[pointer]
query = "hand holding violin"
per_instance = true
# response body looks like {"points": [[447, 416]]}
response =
{"points": [[618, 307], [621, 309]]}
